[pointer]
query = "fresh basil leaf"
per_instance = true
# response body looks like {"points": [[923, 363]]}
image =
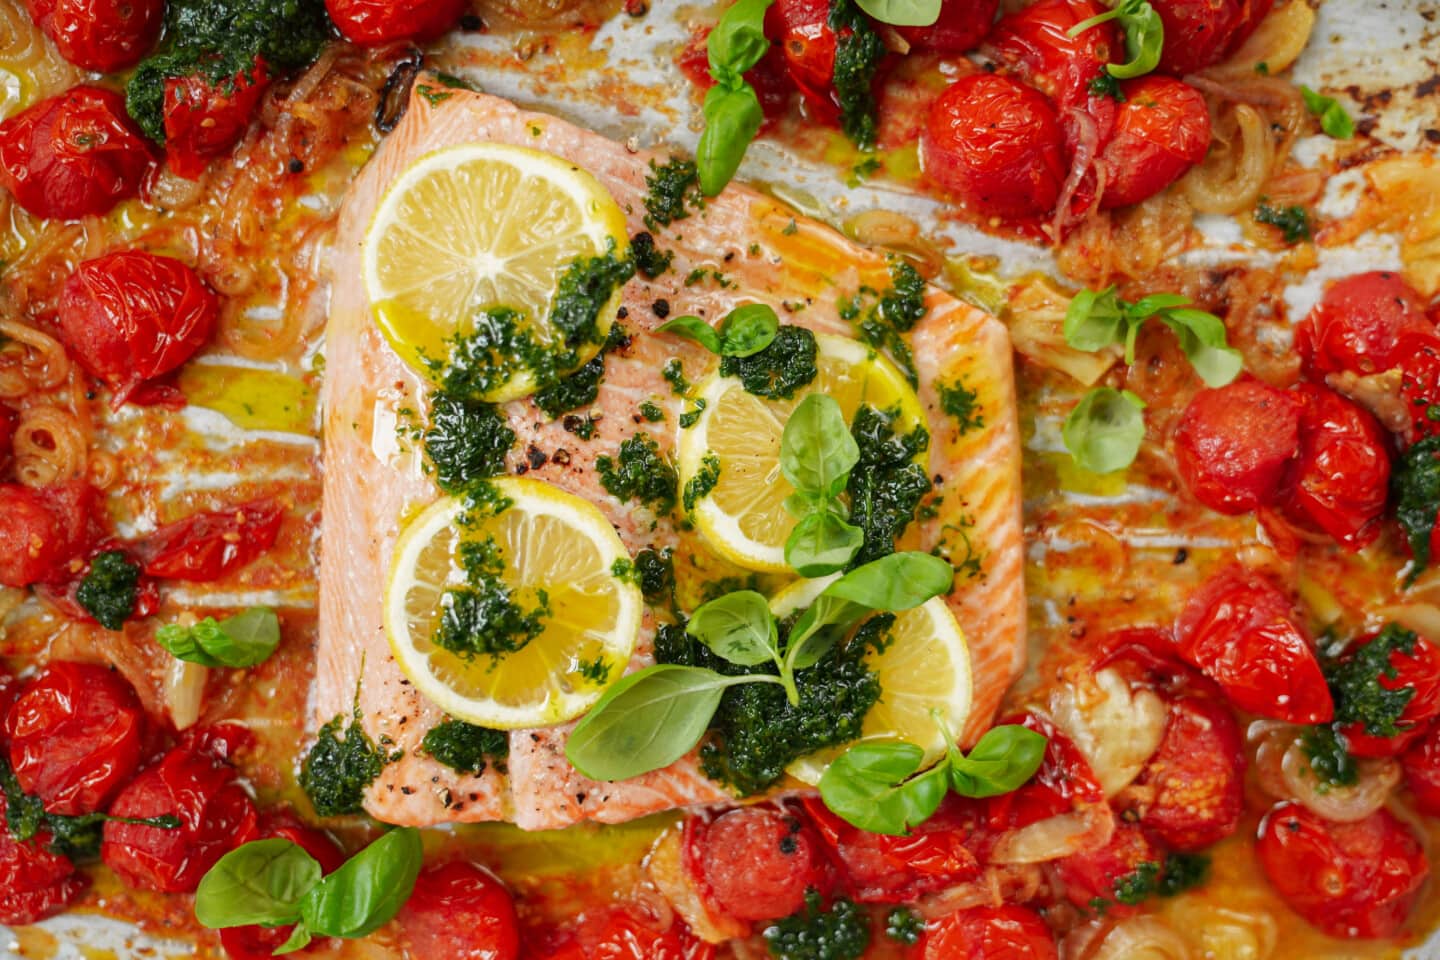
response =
{"points": [[368, 889], [244, 640], [800, 505], [819, 628], [737, 627], [817, 451], [1334, 120], [902, 13], [1203, 339], [1004, 759], [1147, 307], [1144, 36], [870, 786], [259, 882], [184, 642], [732, 119], [299, 939], [738, 41], [648, 720], [692, 328], [1095, 320], [894, 583], [822, 543], [1104, 431], [748, 329]]}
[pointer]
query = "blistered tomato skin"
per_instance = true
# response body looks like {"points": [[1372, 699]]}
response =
{"points": [[1347, 879], [801, 31], [203, 120], [620, 934], [1420, 384], [989, 933], [462, 911], [374, 22], [961, 26], [996, 145], [1198, 33], [100, 35], [35, 882], [1234, 443], [206, 546], [754, 863], [44, 528], [1421, 764], [1063, 783], [1418, 671], [1197, 775], [1242, 632], [130, 316], [1036, 44], [1358, 325], [1340, 480], [1161, 130], [74, 155]]}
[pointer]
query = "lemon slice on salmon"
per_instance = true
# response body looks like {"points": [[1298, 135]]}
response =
{"points": [[743, 516], [924, 668], [504, 609], [493, 229]]}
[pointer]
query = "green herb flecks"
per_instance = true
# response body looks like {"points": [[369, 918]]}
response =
{"points": [[1415, 490], [109, 589], [1183, 871], [882, 318], [776, 372], [465, 747], [904, 925], [1293, 221], [961, 404], [674, 374], [483, 617], [584, 289], [1330, 760], [673, 192], [858, 52], [1355, 683], [840, 933], [699, 486], [650, 260], [340, 767], [641, 473], [886, 484], [466, 441], [76, 837]]}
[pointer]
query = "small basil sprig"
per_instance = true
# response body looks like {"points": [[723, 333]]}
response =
{"points": [[743, 332], [817, 453], [880, 787], [275, 882], [244, 640], [731, 108], [653, 717], [1333, 118], [1144, 36], [1104, 431], [902, 13]]}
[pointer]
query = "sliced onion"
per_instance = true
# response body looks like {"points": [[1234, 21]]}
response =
{"points": [[1116, 728], [1036, 317], [1377, 392], [1277, 42], [1140, 938], [1377, 780], [1423, 618], [1057, 837], [897, 232], [1233, 175], [1085, 155], [184, 692]]}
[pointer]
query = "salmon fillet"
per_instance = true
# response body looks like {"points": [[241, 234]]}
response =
{"points": [[374, 477]]}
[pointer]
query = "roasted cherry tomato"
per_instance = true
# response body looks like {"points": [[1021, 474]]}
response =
{"points": [[35, 882], [44, 529], [1242, 632], [75, 155], [1200, 33], [768, 77], [1421, 764], [460, 910], [1008, 932], [260, 943], [204, 119], [622, 934], [996, 144], [375, 22], [1358, 325], [1420, 383], [1418, 671], [100, 35], [207, 546], [216, 816], [75, 736], [1197, 776], [1340, 480], [1348, 879], [1101, 874], [1035, 42], [1063, 782], [961, 26], [754, 863], [131, 316], [1234, 443], [1161, 130], [801, 29]]}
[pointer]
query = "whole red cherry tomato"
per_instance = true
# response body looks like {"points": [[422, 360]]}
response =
{"points": [[204, 119], [1100, 874], [1421, 764], [1242, 632], [996, 144], [1340, 480], [1234, 443], [1197, 775], [754, 863], [1358, 325], [100, 35], [74, 155], [1418, 671], [75, 736], [622, 934], [460, 910], [1198, 33], [206, 546], [1063, 782], [372, 23], [35, 882], [1007, 932], [216, 816], [131, 316], [801, 29], [1161, 130], [961, 26], [44, 528], [1035, 42], [1348, 879], [260, 943], [1420, 383]]}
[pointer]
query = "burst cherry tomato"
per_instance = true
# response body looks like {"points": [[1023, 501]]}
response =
{"points": [[460, 910], [1348, 879], [372, 23], [1242, 632], [35, 882], [1161, 130], [1035, 42], [131, 316], [1418, 671], [1341, 479], [71, 156], [1200, 33], [260, 943], [44, 529], [753, 863], [204, 119], [1008, 932], [621, 934], [100, 35], [1233, 444], [1099, 874], [216, 816], [75, 736], [1421, 764], [1358, 325], [206, 546], [1197, 775], [801, 30], [961, 26], [996, 144], [1420, 383], [1063, 782]]}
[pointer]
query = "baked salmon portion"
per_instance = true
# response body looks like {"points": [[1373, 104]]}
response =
{"points": [[740, 247]]}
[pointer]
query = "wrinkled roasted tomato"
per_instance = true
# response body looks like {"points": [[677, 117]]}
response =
{"points": [[35, 882], [1340, 480], [1418, 671], [1092, 876], [204, 119], [801, 30], [375, 22], [1234, 443], [1035, 42], [989, 933], [1199, 33], [961, 26], [1196, 777], [1358, 325], [100, 35], [753, 863], [460, 910], [1160, 131], [206, 546], [620, 933], [44, 529]]}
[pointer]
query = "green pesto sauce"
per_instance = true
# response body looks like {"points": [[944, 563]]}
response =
{"points": [[466, 441], [482, 618], [886, 485], [340, 766], [781, 368], [1292, 221], [691, 417], [466, 747], [674, 374], [642, 473], [650, 260], [651, 411], [882, 318], [699, 486], [674, 187], [581, 388], [653, 571], [585, 287], [858, 52], [1356, 683], [108, 591], [841, 932], [961, 404]]}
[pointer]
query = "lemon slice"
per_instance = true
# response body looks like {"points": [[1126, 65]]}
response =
{"points": [[744, 517], [555, 553], [487, 225], [925, 667]]}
